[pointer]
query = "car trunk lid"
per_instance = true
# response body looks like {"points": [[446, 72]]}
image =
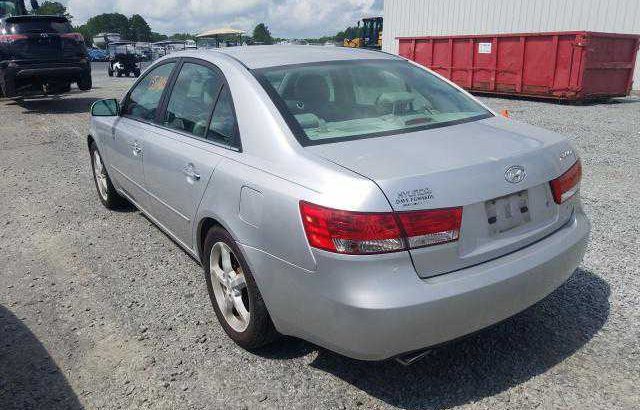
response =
{"points": [[467, 165]]}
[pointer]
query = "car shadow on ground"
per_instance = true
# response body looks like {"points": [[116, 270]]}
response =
{"points": [[29, 378], [486, 363], [72, 103], [632, 99]]}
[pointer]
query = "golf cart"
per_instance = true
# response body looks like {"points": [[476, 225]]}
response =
{"points": [[123, 59]]}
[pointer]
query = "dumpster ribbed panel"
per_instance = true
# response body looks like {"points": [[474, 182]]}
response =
{"points": [[562, 65], [411, 18]]}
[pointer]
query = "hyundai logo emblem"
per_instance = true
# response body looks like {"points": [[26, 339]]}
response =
{"points": [[515, 174]]}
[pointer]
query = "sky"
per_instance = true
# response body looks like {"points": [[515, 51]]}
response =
{"points": [[285, 18]]}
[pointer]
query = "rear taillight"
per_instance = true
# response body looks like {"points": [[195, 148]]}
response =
{"points": [[431, 227], [360, 233], [10, 38], [350, 232], [567, 184], [74, 36]]}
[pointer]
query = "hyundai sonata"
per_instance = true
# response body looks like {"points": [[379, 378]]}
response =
{"points": [[347, 197]]}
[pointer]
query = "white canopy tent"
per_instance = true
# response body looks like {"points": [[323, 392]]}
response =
{"points": [[220, 37]]}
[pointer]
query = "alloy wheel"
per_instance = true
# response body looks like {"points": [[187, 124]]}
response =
{"points": [[229, 286], [100, 174]]}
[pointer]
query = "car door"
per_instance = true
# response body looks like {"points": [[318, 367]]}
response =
{"points": [[181, 156], [126, 148]]}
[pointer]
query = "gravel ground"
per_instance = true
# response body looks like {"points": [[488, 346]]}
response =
{"points": [[99, 309]]}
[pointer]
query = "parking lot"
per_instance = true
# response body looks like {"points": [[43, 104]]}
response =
{"points": [[100, 309]]}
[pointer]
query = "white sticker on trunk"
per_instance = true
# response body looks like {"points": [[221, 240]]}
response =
{"points": [[484, 48]]}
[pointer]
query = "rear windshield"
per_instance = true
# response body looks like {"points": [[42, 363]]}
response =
{"points": [[343, 100], [58, 25]]}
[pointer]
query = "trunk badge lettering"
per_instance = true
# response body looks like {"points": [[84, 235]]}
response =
{"points": [[565, 154], [413, 197], [515, 174]]}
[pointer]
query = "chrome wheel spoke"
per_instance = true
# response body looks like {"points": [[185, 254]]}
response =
{"points": [[219, 274], [240, 308], [226, 259], [227, 309]]}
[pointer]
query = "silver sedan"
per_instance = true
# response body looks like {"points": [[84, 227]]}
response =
{"points": [[347, 197]]}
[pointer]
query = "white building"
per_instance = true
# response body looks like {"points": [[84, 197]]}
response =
{"points": [[404, 18]]}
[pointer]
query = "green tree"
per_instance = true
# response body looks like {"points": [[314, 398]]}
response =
{"points": [[88, 38], [353, 32], [261, 34], [182, 36], [155, 37], [139, 30], [52, 8], [107, 23]]}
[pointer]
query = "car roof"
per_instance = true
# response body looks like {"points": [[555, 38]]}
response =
{"points": [[279, 55]]}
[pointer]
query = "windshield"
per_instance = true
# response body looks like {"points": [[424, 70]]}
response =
{"points": [[342, 100]]}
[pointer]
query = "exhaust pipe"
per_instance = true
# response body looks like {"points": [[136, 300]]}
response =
{"points": [[411, 358]]}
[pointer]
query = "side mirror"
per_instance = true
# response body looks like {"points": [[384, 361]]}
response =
{"points": [[105, 108]]}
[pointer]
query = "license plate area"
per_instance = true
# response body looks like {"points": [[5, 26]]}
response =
{"points": [[507, 212]]}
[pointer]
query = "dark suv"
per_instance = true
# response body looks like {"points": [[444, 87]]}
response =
{"points": [[41, 55]]}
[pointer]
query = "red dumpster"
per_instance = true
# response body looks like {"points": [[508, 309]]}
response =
{"points": [[577, 65]]}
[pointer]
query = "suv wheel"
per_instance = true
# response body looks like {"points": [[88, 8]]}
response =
{"points": [[110, 71], [85, 83], [106, 192], [234, 294]]}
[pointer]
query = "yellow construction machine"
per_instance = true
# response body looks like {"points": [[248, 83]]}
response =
{"points": [[370, 37]]}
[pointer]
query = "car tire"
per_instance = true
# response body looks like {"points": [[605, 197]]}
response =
{"points": [[106, 191], [110, 71], [241, 310], [136, 73], [118, 73], [85, 83], [64, 88]]}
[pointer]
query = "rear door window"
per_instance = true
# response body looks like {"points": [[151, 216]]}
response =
{"points": [[144, 99], [192, 99], [224, 128]]}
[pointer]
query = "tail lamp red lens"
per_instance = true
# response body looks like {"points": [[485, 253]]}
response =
{"points": [[75, 36], [361, 233], [10, 38], [567, 184], [431, 227]]}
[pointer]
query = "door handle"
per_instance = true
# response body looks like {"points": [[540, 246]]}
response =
{"points": [[136, 148], [190, 171]]}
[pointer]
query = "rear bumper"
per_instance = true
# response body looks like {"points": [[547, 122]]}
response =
{"points": [[381, 310], [12, 73]]}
